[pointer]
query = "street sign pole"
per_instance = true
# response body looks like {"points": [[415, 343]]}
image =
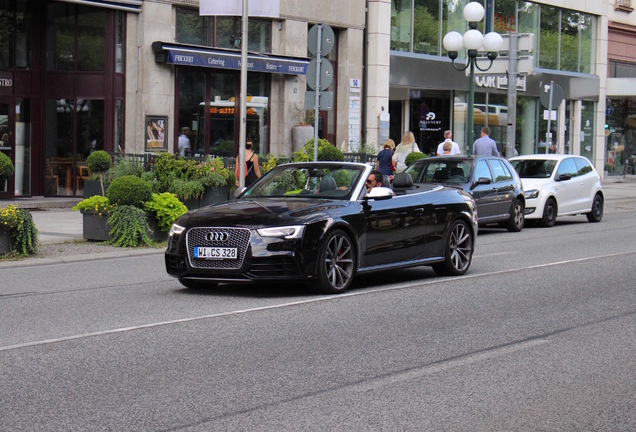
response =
{"points": [[243, 98], [548, 141], [317, 98]]}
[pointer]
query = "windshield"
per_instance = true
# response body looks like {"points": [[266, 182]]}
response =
{"points": [[534, 168], [440, 171], [328, 181]]}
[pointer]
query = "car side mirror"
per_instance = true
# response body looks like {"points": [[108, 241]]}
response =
{"points": [[481, 181], [563, 177], [379, 193]]}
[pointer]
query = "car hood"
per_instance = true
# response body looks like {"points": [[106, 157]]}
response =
{"points": [[262, 212], [533, 183]]}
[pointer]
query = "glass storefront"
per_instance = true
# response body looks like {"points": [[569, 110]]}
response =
{"points": [[620, 136]]}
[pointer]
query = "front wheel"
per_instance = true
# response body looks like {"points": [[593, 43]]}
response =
{"points": [[517, 218], [597, 209], [336, 263], [549, 213], [459, 250]]}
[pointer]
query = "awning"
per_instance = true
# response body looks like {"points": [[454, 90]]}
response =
{"points": [[125, 5], [187, 55]]}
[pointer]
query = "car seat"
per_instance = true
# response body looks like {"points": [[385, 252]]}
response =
{"points": [[402, 182], [440, 175], [327, 183], [457, 171]]}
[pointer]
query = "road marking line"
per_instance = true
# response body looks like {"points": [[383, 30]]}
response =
{"points": [[302, 302], [447, 364]]}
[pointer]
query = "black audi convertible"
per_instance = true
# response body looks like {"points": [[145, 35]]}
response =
{"points": [[315, 223]]}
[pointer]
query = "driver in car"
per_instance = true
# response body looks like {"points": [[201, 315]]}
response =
{"points": [[374, 180]]}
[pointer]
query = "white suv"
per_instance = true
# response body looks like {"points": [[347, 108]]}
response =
{"points": [[558, 185]]}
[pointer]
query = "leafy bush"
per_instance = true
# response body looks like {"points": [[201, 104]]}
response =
{"points": [[188, 178], [6, 167], [124, 167], [326, 152], [129, 226], [19, 223], [342, 177], [167, 208], [129, 190], [412, 157], [98, 161], [96, 203]]}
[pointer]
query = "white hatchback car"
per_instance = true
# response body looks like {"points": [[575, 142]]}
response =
{"points": [[558, 185]]}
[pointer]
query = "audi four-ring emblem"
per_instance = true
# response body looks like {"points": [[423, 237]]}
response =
{"points": [[217, 236]]}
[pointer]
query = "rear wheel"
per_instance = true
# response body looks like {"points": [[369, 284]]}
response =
{"points": [[197, 284], [459, 250], [336, 263], [597, 209], [517, 218], [549, 213]]}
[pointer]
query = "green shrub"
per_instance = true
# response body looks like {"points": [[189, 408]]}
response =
{"points": [[187, 189], [19, 223], [96, 203], [129, 226], [99, 162], [412, 157], [326, 152], [124, 167], [129, 190], [6, 167], [167, 208]]}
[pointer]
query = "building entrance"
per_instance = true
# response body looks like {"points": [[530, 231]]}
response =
{"points": [[6, 147]]}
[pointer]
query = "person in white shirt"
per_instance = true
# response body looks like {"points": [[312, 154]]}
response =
{"points": [[448, 137], [403, 149], [184, 142]]}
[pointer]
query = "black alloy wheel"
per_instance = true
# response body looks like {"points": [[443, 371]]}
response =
{"points": [[549, 213], [597, 209], [336, 263], [517, 217], [459, 250]]}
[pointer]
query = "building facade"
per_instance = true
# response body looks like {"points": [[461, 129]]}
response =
{"points": [[127, 75]]}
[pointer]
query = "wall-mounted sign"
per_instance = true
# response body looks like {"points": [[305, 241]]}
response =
{"points": [[156, 133]]}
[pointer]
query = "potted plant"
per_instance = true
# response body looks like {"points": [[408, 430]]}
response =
{"points": [[98, 163], [303, 131], [17, 231], [6, 169], [95, 211], [166, 208], [413, 157]]}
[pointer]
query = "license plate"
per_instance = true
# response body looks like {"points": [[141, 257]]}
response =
{"points": [[215, 252]]}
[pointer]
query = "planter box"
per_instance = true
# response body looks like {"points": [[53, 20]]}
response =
{"points": [[210, 196], [95, 227], [155, 232], [93, 187], [6, 242]]}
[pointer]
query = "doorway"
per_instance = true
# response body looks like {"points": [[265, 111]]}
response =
{"points": [[6, 146]]}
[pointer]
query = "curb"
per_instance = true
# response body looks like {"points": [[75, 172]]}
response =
{"points": [[34, 261]]}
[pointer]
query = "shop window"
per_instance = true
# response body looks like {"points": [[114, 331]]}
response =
{"points": [[426, 29], [528, 18], [401, 24], [74, 128], [549, 37], [228, 34], [192, 28], [76, 34], [15, 36]]}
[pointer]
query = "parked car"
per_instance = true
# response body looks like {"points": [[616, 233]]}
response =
{"points": [[490, 180], [559, 185], [315, 223]]}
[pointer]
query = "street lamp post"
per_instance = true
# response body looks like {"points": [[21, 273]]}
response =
{"points": [[473, 40]]}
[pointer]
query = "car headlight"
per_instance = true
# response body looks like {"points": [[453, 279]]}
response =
{"points": [[175, 229], [286, 232], [531, 194]]}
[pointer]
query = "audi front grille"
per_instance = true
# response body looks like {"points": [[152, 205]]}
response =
{"points": [[218, 237]]}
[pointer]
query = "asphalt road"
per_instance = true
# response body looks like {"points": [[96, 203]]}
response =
{"points": [[539, 335]]}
